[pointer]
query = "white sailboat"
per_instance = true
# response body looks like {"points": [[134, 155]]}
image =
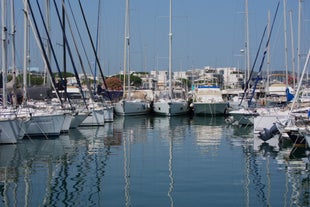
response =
{"points": [[166, 103], [97, 112], [42, 122], [300, 123], [246, 116], [291, 122], [129, 105], [107, 104], [8, 125]]}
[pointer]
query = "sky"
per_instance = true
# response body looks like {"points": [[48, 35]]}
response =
{"points": [[205, 33]]}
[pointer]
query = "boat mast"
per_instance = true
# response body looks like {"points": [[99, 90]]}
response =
{"points": [[285, 42], [48, 49], [292, 44], [97, 42], [14, 100], [126, 52], [77, 50], [300, 82], [268, 59], [94, 49], [247, 41], [299, 38], [26, 52], [170, 50], [37, 35], [4, 53], [64, 43]]}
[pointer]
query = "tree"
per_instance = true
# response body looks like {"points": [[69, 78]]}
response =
{"points": [[36, 80], [135, 81], [68, 74]]}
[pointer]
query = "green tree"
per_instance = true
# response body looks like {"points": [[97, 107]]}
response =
{"points": [[36, 80], [63, 74], [135, 81]]}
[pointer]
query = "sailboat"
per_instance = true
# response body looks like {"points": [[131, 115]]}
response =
{"points": [[93, 113], [101, 111], [246, 116], [47, 121], [295, 122], [130, 105], [167, 102], [11, 124]]}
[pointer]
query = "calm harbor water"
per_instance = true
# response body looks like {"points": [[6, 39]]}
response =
{"points": [[154, 161]]}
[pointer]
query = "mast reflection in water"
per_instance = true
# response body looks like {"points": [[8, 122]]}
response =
{"points": [[154, 161]]}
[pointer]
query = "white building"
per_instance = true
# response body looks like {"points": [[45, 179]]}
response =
{"points": [[228, 77], [180, 75], [233, 77]]}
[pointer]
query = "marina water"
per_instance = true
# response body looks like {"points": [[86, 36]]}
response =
{"points": [[153, 161]]}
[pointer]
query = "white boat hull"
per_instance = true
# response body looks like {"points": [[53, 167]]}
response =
{"points": [[20, 117], [21, 127], [127, 108], [170, 107], [201, 108], [8, 134], [78, 119], [45, 125], [67, 122], [95, 118]]}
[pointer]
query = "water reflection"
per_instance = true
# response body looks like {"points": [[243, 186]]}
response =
{"points": [[154, 161], [264, 161], [133, 129], [175, 128], [127, 161], [22, 165], [135, 126], [208, 132], [170, 169], [127, 131], [242, 131], [208, 120], [39, 172]]}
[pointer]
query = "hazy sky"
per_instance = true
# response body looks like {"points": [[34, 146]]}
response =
{"points": [[205, 32]]}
